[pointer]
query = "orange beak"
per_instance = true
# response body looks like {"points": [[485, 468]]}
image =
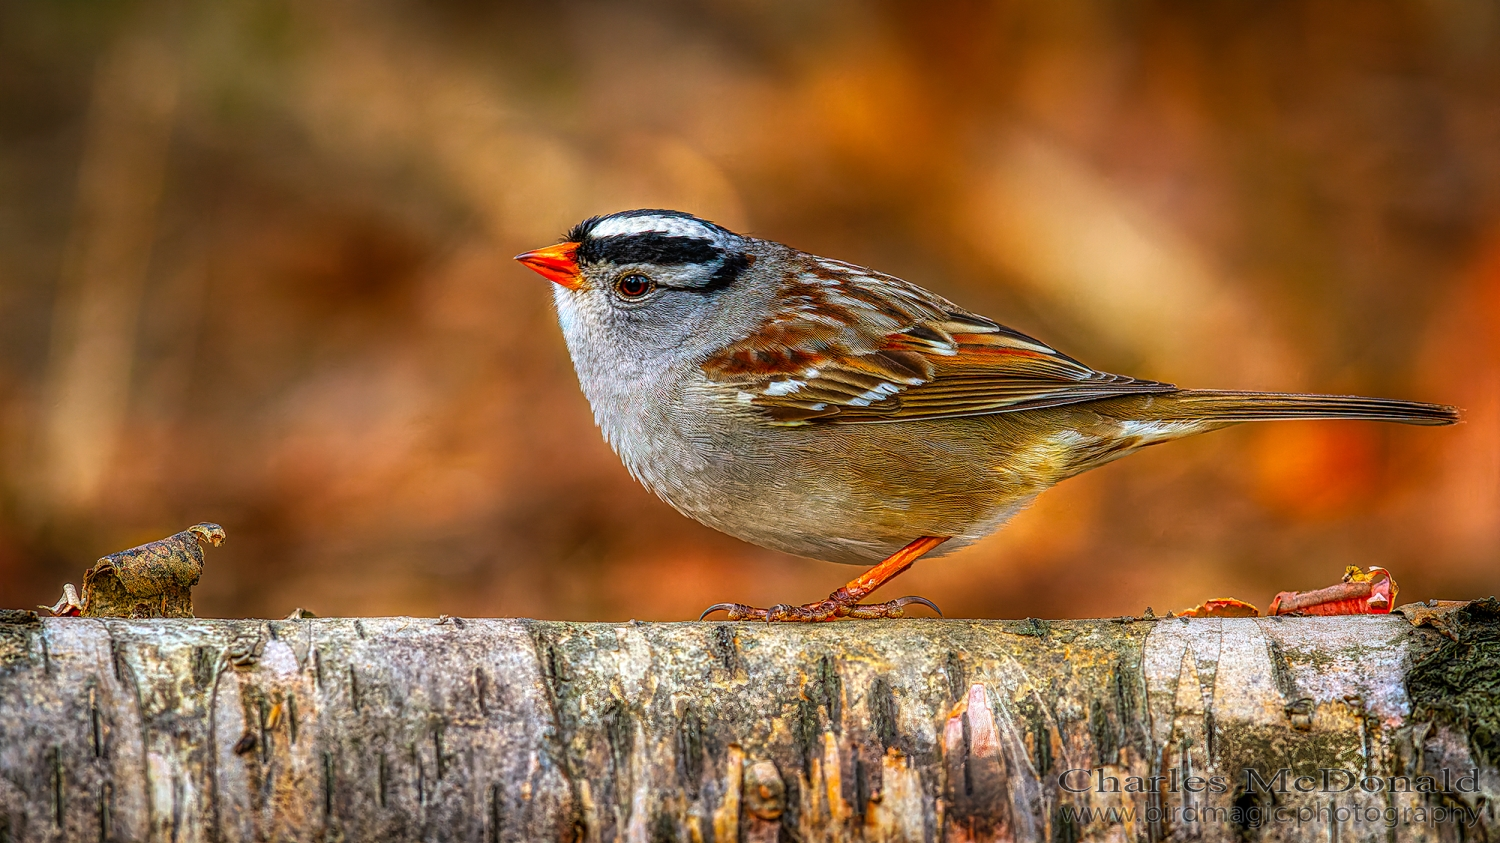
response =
{"points": [[555, 263]]}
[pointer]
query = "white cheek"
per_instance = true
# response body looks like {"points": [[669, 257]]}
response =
{"points": [[579, 329], [581, 313], [567, 311]]}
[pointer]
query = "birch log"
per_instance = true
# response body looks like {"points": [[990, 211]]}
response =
{"points": [[487, 730]]}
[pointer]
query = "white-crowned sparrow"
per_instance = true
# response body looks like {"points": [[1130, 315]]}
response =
{"points": [[831, 411]]}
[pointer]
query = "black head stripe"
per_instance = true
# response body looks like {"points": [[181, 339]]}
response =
{"points": [[647, 247], [581, 230], [729, 271]]}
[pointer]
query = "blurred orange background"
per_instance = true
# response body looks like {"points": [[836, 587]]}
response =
{"points": [[255, 268]]}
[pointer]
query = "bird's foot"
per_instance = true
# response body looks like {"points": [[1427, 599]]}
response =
{"points": [[838, 606], [844, 603]]}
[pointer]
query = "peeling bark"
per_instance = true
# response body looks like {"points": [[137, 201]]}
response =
{"points": [[491, 730]]}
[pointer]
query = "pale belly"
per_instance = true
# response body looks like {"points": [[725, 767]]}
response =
{"points": [[858, 493]]}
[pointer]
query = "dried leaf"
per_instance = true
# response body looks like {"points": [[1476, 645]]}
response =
{"points": [[1220, 607], [1371, 592], [1441, 615], [154, 580]]}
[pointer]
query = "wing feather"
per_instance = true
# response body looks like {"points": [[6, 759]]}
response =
{"points": [[857, 346]]}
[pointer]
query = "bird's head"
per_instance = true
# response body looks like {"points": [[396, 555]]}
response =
{"points": [[647, 282]]}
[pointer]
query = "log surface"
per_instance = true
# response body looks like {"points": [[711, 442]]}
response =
{"points": [[490, 730]]}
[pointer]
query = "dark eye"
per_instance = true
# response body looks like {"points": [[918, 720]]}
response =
{"points": [[634, 286]]}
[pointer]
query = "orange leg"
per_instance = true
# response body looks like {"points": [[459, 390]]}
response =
{"points": [[844, 603]]}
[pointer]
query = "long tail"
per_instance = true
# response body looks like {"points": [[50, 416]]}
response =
{"points": [[1213, 405]]}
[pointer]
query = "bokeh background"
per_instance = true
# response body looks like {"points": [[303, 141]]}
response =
{"points": [[255, 268]]}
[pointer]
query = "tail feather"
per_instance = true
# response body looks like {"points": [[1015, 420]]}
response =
{"points": [[1226, 406]]}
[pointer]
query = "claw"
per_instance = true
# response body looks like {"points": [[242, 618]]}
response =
{"points": [[737, 611], [907, 601], [719, 607], [844, 603]]}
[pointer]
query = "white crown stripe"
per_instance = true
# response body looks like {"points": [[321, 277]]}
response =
{"points": [[671, 226]]}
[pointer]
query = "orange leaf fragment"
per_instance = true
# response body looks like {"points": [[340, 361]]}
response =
{"points": [[1371, 592], [1220, 607]]}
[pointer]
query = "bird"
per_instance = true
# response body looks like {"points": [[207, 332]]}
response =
{"points": [[827, 410]]}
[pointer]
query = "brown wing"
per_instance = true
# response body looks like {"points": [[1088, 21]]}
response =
{"points": [[914, 355]]}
